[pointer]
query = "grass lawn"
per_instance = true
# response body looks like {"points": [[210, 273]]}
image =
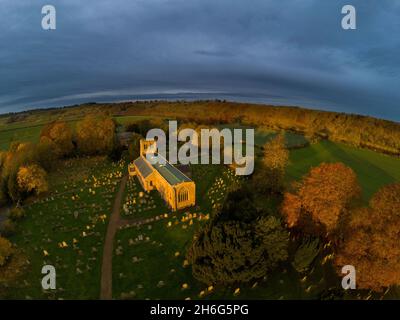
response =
{"points": [[66, 229]]}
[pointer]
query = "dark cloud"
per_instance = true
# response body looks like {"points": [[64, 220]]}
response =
{"points": [[283, 52]]}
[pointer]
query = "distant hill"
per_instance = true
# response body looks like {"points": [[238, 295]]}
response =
{"points": [[361, 131]]}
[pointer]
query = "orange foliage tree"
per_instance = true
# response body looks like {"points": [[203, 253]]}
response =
{"points": [[32, 178], [322, 197], [59, 135], [276, 155], [96, 135], [371, 243], [270, 173]]}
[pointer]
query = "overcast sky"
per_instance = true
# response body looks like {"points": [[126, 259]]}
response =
{"points": [[290, 52]]}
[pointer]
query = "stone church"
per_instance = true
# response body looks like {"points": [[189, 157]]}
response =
{"points": [[178, 190]]}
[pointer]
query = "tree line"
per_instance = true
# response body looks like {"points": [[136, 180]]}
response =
{"points": [[361, 131], [24, 167]]}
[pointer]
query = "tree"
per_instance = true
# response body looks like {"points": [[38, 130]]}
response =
{"points": [[19, 154], [270, 172], [96, 135], [134, 146], [276, 155], [32, 178], [59, 135], [6, 251], [371, 243], [238, 206], [323, 196], [231, 251], [46, 153]]}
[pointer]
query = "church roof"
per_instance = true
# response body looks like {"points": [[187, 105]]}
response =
{"points": [[171, 173], [143, 166]]}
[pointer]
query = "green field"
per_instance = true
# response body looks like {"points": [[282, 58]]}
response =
{"points": [[373, 169]]}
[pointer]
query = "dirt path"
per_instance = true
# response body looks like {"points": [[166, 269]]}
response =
{"points": [[113, 225], [116, 222]]}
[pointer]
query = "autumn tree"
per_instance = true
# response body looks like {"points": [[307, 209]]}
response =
{"points": [[321, 198], [371, 242], [6, 251], [46, 154], [232, 251], [270, 172], [32, 178], [19, 154], [59, 135], [96, 135]]}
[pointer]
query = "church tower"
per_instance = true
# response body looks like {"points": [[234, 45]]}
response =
{"points": [[147, 145]]}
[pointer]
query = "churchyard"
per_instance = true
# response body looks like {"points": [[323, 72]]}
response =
{"points": [[139, 204], [141, 250], [66, 229]]}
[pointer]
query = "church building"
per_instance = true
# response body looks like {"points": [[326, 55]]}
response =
{"points": [[178, 190]]}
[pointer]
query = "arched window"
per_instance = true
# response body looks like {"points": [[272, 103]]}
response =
{"points": [[183, 195]]}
